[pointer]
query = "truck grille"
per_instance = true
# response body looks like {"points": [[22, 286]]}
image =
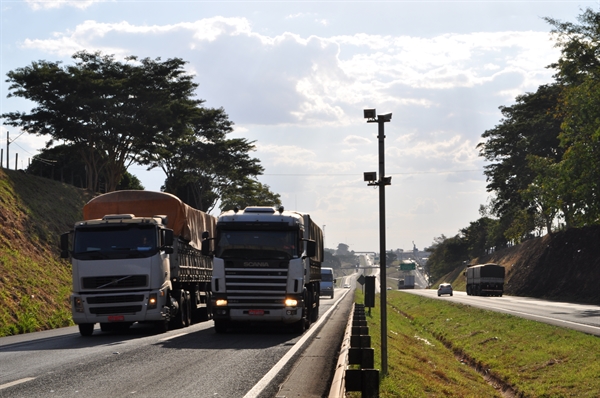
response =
{"points": [[131, 309], [126, 298], [256, 287], [115, 282]]}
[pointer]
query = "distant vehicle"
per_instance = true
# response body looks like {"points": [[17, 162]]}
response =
{"points": [[485, 280], [445, 288], [327, 282], [346, 286], [407, 283], [389, 288]]}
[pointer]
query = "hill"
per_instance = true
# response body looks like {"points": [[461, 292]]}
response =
{"points": [[560, 266], [35, 283]]}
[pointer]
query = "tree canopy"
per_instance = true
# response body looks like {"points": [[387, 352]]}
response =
{"points": [[112, 114]]}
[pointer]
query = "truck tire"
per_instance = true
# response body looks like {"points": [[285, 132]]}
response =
{"points": [[178, 321], [221, 327], [188, 308], [161, 326], [86, 329]]}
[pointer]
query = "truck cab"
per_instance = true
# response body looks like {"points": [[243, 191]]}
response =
{"points": [[327, 282]]}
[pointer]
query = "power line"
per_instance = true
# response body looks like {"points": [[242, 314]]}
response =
{"points": [[354, 174]]}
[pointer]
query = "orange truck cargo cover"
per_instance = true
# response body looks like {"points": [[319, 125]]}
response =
{"points": [[184, 220]]}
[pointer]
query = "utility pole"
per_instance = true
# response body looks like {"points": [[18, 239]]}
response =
{"points": [[371, 177]]}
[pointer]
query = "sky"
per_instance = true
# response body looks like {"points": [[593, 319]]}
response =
{"points": [[295, 77]]}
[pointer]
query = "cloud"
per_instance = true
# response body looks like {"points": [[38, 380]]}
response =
{"points": [[424, 206], [289, 79], [50, 4]]}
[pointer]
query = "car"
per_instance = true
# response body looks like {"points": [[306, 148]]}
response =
{"points": [[389, 288], [445, 288], [346, 286]]}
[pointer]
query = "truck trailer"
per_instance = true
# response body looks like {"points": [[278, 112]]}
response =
{"points": [[485, 280], [407, 283], [136, 257], [267, 268]]}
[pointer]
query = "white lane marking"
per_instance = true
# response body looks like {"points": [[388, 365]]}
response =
{"points": [[173, 337], [264, 382], [14, 383]]}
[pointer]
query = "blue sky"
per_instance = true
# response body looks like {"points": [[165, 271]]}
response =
{"points": [[295, 76]]}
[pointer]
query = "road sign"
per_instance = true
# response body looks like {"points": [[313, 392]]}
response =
{"points": [[361, 279], [407, 266]]}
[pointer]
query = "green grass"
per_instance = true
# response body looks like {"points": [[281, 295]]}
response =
{"points": [[434, 345], [35, 283]]}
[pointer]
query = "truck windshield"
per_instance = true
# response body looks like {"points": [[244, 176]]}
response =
{"points": [[115, 241], [257, 244]]}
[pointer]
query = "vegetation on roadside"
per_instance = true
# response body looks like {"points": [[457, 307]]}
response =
{"points": [[435, 347], [35, 283]]}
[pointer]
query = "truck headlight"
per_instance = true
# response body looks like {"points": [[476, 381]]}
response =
{"points": [[221, 302], [152, 301], [78, 304], [289, 302]]}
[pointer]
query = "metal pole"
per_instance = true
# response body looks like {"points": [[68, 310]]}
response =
{"points": [[7, 144], [382, 259]]}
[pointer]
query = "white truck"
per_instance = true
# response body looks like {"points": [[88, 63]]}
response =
{"points": [[407, 283], [136, 258], [267, 267]]}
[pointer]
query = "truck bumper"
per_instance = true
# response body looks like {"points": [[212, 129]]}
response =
{"points": [[285, 315], [118, 307]]}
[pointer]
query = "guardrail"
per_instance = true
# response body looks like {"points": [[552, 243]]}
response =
{"points": [[354, 370]]}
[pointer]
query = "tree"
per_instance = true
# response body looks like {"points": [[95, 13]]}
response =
{"points": [[530, 127], [202, 171], [446, 254], [58, 163], [249, 193], [579, 70], [106, 110], [579, 45]]}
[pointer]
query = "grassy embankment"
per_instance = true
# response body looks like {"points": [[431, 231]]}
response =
{"points": [[35, 283], [435, 346]]}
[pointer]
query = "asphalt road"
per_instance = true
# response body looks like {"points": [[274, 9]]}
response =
{"points": [[582, 317], [194, 362]]}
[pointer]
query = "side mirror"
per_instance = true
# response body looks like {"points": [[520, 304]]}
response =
{"points": [[205, 248], [64, 245], [311, 248], [168, 239]]}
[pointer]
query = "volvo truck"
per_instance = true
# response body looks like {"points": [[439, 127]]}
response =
{"points": [[136, 257], [266, 268]]}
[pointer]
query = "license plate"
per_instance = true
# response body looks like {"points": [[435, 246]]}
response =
{"points": [[256, 312], [116, 318]]}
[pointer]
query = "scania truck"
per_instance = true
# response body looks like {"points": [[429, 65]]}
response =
{"points": [[136, 257], [267, 267]]}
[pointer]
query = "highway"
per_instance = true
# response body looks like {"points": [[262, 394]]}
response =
{"points": [[193, 362], [582, 317]]}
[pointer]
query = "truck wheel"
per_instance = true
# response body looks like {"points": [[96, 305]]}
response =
{"points": [[300, 326], [86, 329], [161, 326], [188, 308], [178, 321], [220, 326]]}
